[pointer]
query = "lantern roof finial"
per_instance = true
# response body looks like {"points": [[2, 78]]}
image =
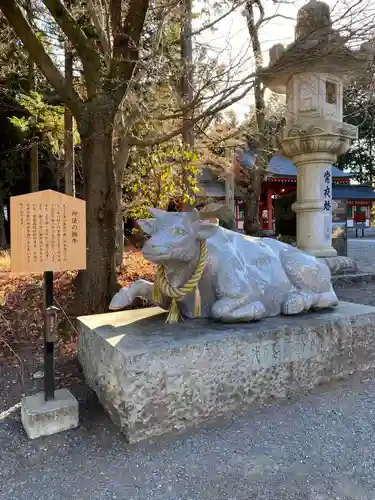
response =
{"points": [[313, 21]]}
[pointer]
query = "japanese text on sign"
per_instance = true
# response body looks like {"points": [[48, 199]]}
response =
{"points": [[48, 232]]}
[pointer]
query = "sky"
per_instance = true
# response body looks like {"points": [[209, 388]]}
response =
{"points": [[231, 36]]}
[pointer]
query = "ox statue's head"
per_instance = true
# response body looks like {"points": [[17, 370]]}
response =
{"points": [[174, 235]]}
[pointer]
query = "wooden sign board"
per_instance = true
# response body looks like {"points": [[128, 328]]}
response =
{"points": [[48, 232], [339, 214]]}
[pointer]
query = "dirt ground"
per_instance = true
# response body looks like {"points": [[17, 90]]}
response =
{"points": [[21, 327]]}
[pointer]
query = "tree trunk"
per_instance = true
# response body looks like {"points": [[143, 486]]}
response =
{"points": [[122, 158], [34, 162], [119, 228], [3, 239], [97, 284], [251, 221], [69, 171], [187, 95]]}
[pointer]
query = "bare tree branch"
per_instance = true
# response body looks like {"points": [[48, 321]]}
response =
{"points": [[261, 14], [115, 10], [211, 24], [152, 141], [126, 43], [85, 48], [24, 31], [103, 38]]}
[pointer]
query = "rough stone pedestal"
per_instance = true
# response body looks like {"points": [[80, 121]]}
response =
{"points": [[43, 418], [154, 378], [341, 265]]}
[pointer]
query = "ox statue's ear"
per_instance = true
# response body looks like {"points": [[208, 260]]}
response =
{"points": [[192, 216], [157, 213], [148, 226], [205, 229]]}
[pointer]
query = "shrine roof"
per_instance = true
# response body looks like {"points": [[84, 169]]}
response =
{"points": [[353, 192], [283, 167], [280, 166]]}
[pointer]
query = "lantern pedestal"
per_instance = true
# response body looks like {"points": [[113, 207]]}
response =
{"points": [[313, 145]]}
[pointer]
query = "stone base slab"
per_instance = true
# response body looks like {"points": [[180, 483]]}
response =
{"points": [[350, 279], [44, 418], [154, 378]]}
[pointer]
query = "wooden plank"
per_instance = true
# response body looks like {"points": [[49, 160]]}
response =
{"points": [[48, 232]]}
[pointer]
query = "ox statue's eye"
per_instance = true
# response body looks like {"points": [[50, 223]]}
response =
{"points": [[177, 231]]}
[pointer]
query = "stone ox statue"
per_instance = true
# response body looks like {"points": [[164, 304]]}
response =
{"points": [[239, 278]]}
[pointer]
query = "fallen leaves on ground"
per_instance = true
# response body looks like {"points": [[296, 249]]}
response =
{"points": [[135, 267], [4, 261], [21, 303]]}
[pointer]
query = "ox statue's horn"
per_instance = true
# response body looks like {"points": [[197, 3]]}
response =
{"points": [[156, 212]]}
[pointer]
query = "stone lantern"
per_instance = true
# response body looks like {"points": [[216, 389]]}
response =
{"points": [[312, 72]]}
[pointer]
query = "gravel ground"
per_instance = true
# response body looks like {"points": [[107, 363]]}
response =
{"points": [[362, 251], [318, 446], [361, 292]]}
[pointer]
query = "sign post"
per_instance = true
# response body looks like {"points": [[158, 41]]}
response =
{"points": [[50, 337], [339, 228], [48, 234]]}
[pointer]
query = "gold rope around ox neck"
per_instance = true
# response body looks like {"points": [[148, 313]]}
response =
{"points": [[162, 285]]}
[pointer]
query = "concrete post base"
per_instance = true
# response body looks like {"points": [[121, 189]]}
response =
{"points": [[43, 418]]}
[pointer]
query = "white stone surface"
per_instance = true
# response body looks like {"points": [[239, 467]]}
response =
{"points": [[154, 378], [312, 74], [313, 144], [313, 207], [241, 278], [43, 418], [313, 138], [306, 96]]}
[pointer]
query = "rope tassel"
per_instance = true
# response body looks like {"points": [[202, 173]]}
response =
{"points": [[174, 315], [197, 303], [156, 296], [162, 286]]}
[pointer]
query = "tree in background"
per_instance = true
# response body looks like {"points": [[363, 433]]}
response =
{"points": [[254, 12], [117, 46], [153, 177], [359, 110], [13, 80]]}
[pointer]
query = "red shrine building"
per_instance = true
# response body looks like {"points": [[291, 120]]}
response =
{"points": [[282, 180]]}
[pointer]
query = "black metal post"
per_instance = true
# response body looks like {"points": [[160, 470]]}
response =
{"points": [[49, 327]]}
